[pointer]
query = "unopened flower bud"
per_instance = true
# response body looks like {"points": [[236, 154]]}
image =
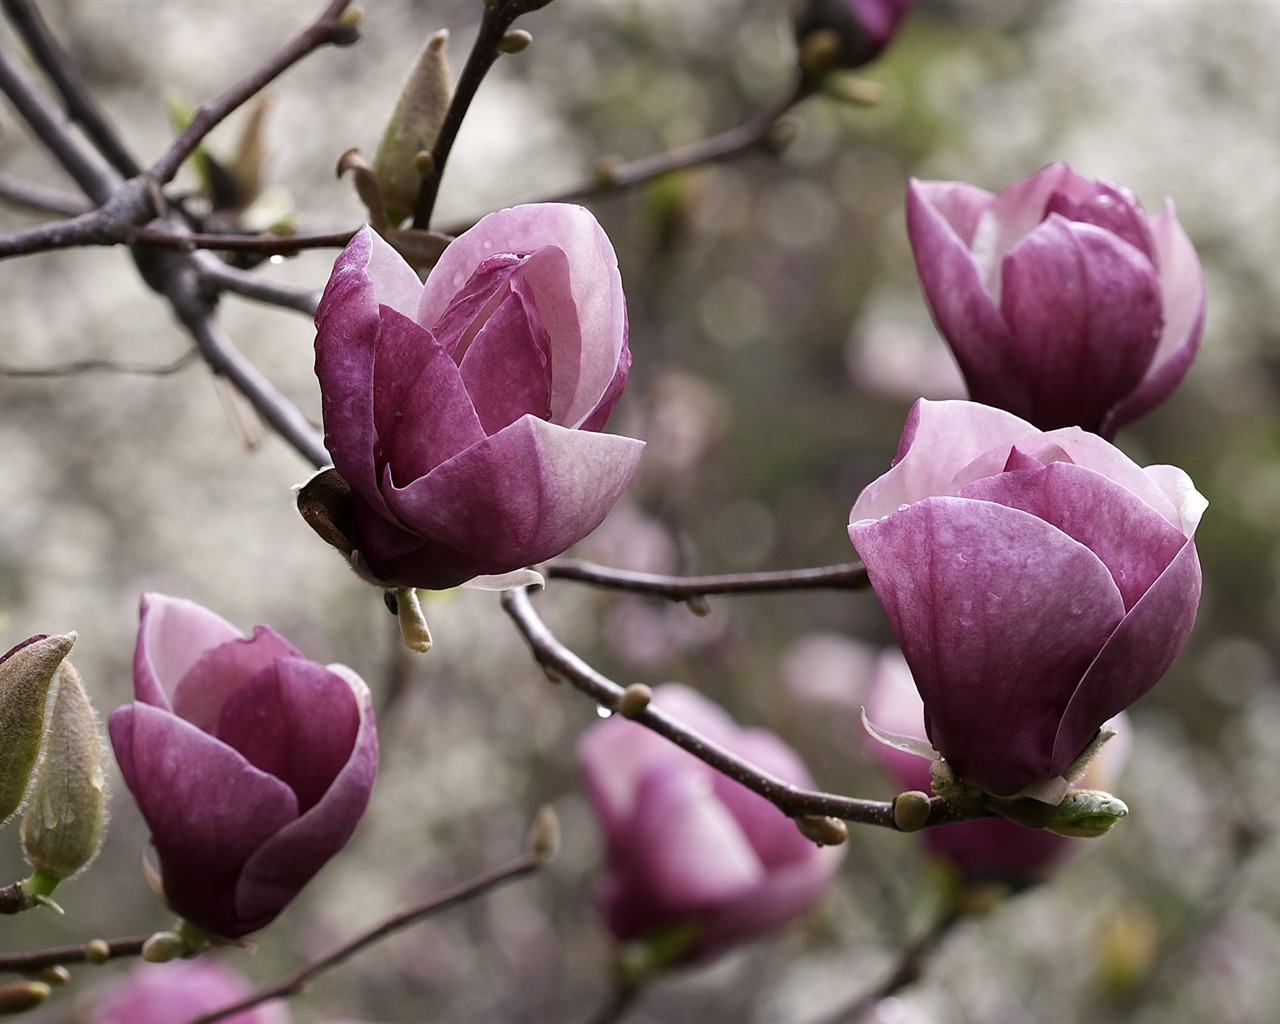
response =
{"points": [[20, 996], [1087, 814], [413, 127], [911, 810], [63, 826], [97, 951], [162, 947], [25, 675], [635, 698]]}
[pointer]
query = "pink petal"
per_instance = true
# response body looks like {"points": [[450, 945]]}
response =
{"points": [[290, 858], [959, 204], [1084, 312], [1015, 211], [173, 633], [296, 721], [1110, 207], [200, 694], [982, 599]]}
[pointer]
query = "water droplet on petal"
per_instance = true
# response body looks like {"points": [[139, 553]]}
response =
{"points": [[903, 508]]}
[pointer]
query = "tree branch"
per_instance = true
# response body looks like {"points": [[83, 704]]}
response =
{"points": [[791, 800], [41, 198], [161, 236], [328, 28], [848, 576], [223, 277], [526, 864], [22, 963]]}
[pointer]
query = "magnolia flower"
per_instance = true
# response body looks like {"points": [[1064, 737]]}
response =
{"points": [[990, 849], [687, 846], [182, 990], [463, 415], [250, 764], [1038, 584], [861, 28], [1061, 300]]}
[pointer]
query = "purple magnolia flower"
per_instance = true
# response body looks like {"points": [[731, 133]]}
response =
{"points": [[863, 27], [991, 849], [686, 845], [1062, 301], [250, 764], [182, 990], [463, 414], [1038, 583]]}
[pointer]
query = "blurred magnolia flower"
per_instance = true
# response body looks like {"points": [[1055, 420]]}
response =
{"points": [[1063, 302], [691, 853], [250, 764], [180, 990], [859, 30], [990, 849], [1038, 584], [463, 415]]}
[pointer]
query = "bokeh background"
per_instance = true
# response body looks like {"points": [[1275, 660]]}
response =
{"points": [[779, 338]]}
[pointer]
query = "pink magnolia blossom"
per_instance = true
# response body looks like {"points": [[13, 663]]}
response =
{"points": [[464, 414], [686, 845], [1037, 582], [1063, 302], [863, 27], [991, 849], [180, 991], [250, 764]]}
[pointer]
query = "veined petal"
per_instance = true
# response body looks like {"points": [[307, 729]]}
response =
{"points": [[220, 670], [1111, 208], [999, 615], [172, 635], [1015, 211]]}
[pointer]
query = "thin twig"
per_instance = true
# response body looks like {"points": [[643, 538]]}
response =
{"points": [[497, 18], [848, 576], [326, 29], [42, 198], [224, 277], [80, 104], [526, 864], [83, 366], [791, 800], [161, 237], [21, 963], [135, 201], [96, 178]]}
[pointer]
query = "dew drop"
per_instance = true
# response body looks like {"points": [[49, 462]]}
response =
{"points": [[959, 561], [277, 259], [603, 712], [903, 508]]}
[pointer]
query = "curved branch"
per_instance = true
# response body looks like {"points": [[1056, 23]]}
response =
{"points": [[848, 576], [791, 800], [41, 198], [22, 963], [224, 277], [161, 237]]}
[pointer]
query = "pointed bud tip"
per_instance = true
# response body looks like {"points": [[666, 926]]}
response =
{"points": [[544, 836]]}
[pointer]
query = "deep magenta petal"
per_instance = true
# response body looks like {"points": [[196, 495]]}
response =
{"points": [[1110, 207], [200, 694], [296, 721], [1084, 311], [172, 635], [984, 599], [507, 369]]}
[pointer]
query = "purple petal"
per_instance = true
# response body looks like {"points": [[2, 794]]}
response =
{"points": [[173, 633], [613, 392], [963, 305], [1110, 207], [1182, 291], [208, 810], [423, 414], [289, 859], [473, 303], [1138, 653], [1084, 312], [523, 495], [982, 599], [294, 720], [959, 204], [179, 991], [367, 274], [938, 441], [200, 694], [1134, 542], [582, 307], [1015, 211]]}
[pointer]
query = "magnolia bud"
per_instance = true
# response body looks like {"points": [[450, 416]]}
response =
{"points": [[25, 675], [413, 127], [20, 996], [63, 826]]}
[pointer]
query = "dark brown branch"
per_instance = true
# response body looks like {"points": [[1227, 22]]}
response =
{"points": [[478, 886], [41, 198], [791, 800], [22, 963], [96, 178], [79, 102], [497, 18], [161, 237], [849, 576], [328, 28]]}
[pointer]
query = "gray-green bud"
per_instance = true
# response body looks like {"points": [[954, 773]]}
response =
{"points": [[25, 675], [67, 813], [1087, 814]]}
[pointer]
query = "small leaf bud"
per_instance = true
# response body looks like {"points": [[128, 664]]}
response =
{"points": [[162, 947], [347, 29], [699, 605], [26, 673], [514, 41], [544, 836], [552, 675], [635, 698], [1087, 814], [911, 810], [97, 951], [63, 826], [21, 996], [54, 974], [822, 829]]}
